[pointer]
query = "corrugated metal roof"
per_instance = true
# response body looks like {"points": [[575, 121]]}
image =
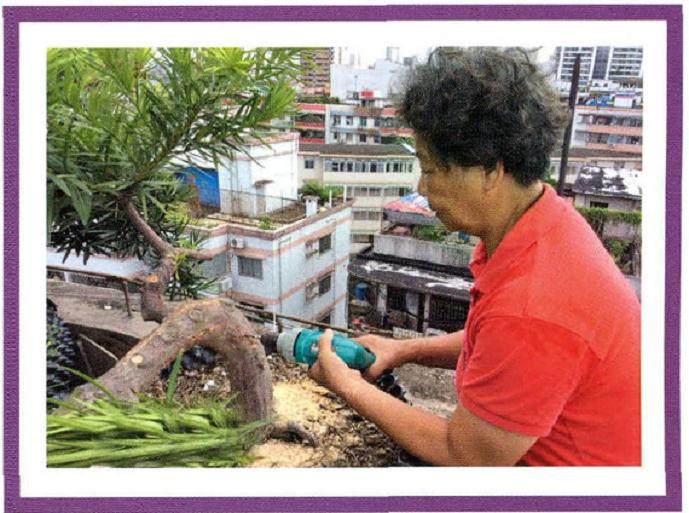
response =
{"points": [[412, 203]]}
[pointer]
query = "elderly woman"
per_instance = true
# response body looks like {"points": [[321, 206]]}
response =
{"points": [[548, 363]]}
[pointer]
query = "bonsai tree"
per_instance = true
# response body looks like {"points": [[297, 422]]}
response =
{"points": [[121, 123]]}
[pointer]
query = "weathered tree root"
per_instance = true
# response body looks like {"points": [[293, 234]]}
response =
{"points": [[213, 323]]}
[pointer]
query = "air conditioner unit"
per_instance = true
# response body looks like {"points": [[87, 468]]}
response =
{"points": [[225, 284], [236, 243]]}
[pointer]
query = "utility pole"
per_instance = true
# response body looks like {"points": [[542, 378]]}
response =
{"points": [[573, 92]]}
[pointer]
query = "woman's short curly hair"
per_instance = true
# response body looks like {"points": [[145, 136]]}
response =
{"points": [[480, 106]]}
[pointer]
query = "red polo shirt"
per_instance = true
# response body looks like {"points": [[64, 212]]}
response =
{"points": [[552, 342]]}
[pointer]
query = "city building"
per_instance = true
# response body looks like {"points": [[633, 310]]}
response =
{"points": [[370, 175], [315, 77], [612, 128], [579, 157], [620, 64], [614, 189], [366, 122], [408, 281], [262, 232], [385, 75]]}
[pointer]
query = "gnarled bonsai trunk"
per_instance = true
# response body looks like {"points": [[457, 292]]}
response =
{"points": [[213, 323]]}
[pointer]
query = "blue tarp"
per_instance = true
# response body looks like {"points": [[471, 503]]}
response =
{"points": [[206, 181]]}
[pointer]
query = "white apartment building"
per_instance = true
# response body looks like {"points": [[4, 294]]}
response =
{"points": [[367, 122], [619, 64], [613, 129], [370, 175], [296, 268], [275, 251]]}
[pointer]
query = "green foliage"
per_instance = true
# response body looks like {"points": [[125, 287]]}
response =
{"points": [[436, 233], [188, 280], [148, 433], [121, 121], [599, 217], [265, 223], [314, 188], [318, 99]]}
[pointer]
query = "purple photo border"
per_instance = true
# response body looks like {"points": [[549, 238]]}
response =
{"points": [[671, 14]]}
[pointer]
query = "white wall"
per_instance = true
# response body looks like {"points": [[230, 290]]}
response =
{"points": [[97, 263]]}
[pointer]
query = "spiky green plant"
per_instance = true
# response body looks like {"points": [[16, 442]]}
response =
{"points": [[149, 433]]}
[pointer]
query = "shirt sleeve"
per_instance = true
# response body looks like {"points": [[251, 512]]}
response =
{"points": [[521, 373]]}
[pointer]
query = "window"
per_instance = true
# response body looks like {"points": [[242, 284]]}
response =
{"points": [[335, 166], [599, 204], [396, 299], [336, 135], [362, 138], [337, 120], [359, 191], [250, 267], [308, 164], [447, 314], [376, 139], [375, 191], [376, 122], [396, 167], [350, 166], [374, 167], [349, 120], [325, 243], [359, 215], [361, 238], [324, 284], [362, 121]]}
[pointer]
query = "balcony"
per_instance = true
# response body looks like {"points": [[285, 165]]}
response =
{"points": [[634, 131], [628, 148], [312, 140], [309, 125]]}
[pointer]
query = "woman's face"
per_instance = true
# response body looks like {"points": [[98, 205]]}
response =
{"points": [[455, 194]]}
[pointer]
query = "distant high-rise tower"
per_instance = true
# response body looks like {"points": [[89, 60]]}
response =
{"points": [[619, 64], [392, 53], [315, 71]]}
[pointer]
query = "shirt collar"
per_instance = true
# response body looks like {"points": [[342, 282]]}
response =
{"points": [[489, 272]]}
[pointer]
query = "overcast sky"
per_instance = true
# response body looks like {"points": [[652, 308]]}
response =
{"points": [[370, 54]]}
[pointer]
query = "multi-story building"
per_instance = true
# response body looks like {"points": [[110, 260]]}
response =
{"points": [[579, 157], [315, 75], [620, 64], [615, 129], [368, 122], [615, 189], [256, 262], [262, 232], [371, 175], [406, 281]]}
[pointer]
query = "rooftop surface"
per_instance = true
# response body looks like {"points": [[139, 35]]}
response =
{"points": [[603, 181], [356, 149], [412, 278], [412, 203], [578, 152]]}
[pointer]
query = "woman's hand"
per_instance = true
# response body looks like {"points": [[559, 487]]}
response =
{"points": [[329, 370], [389, 354]]}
